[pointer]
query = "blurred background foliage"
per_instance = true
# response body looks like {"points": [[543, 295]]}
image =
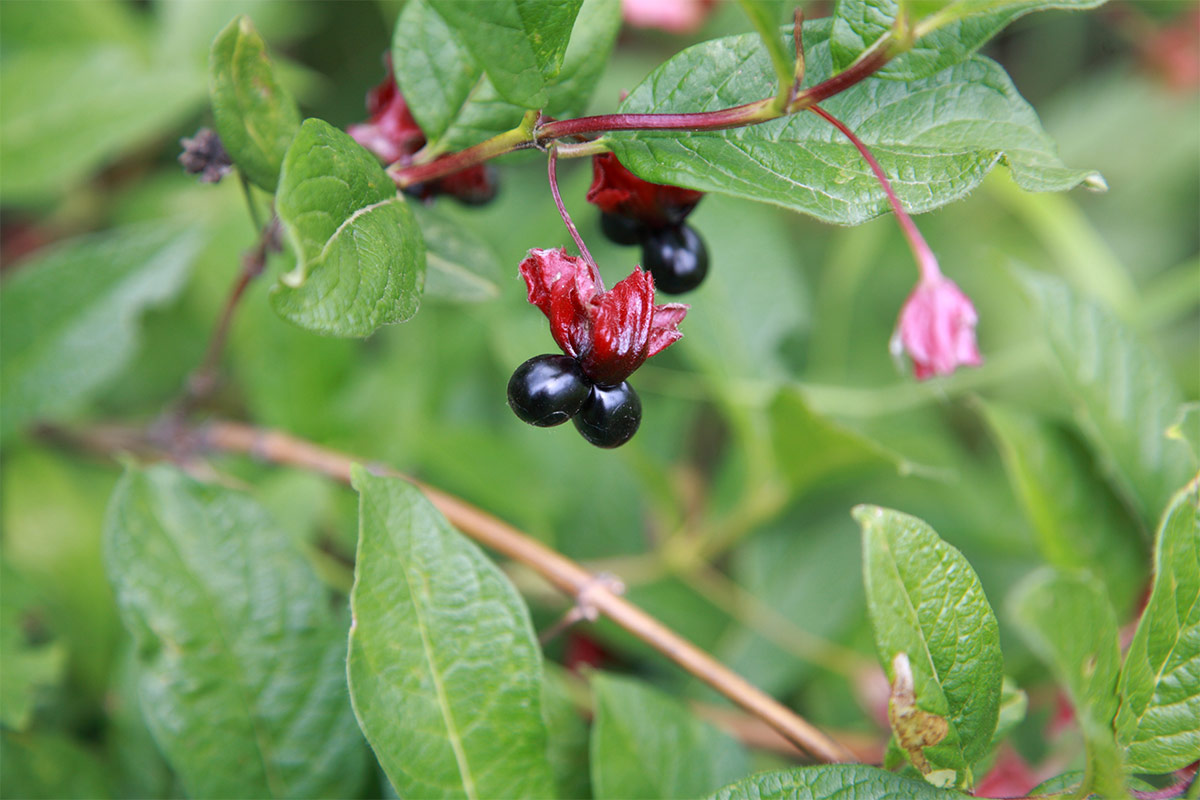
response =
{"points": [[728, 515]]}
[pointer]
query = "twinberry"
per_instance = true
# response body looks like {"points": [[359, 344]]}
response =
{"points": [[610, 415], [393, 135], [622, 230], [676, 257], [547, 390], [616, 190], [612, 332]]}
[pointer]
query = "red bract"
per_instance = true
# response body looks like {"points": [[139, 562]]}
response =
{"points": [[394, 135], [611, 332], [616, 190], [937, 328]]}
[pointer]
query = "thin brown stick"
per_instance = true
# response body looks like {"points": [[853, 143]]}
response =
{"points": [[564, 574]]}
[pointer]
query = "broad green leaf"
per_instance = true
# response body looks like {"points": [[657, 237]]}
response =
{"points": [[445, 671], [459, 265], [936, 138], [30, 663], [360, 258], [519, 43], [1013, 705], [1066, 619], [69, 110], [1159, 720], [968, 24], [69, 319], [49, 766], [925, 601], [831, 782], [811, 448], [1124, 396], [255, 116], [567, 733], [646, 744], [434, 70], [240, 655], [1077, 520], [451, 119]]}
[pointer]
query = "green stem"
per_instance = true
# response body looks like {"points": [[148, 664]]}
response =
{"points": [[768, 30]]}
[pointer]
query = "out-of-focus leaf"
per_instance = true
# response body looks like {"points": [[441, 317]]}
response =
{"points": [[648, 745], [69, 319], [1124, 396], [925, 601], [1159, 720], [454, 114], [30, 663], [1013, 705], [831, 782], [49, 766], [255, 116], [460, 266], [859, 23], [567, 738], [1078, 522], [936, 138], [360, 257], [130, 749], [445, 671], [240, 656], [1068, 622], [519, 43]]}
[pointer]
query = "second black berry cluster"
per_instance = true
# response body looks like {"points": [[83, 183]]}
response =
{"points": [[673, 253], [550, 389]]}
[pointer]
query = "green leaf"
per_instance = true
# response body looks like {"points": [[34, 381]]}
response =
{"points": [[567, 731], [240, 656], [1066, 619], [646, 744], [255, 116], [831, 782], [1013, 705], [936, 138], [1159, 720], [445, 671], [1077, 520], [30, 664], [1125, 399], [360, 258], [519, 43], [925, 601], [69, 110], [69, 319], [459, 265], [453, 118], [49, 766], [969, 23]]}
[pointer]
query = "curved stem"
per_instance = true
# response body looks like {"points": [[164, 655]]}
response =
{"points": [[552, 169], [926, 261]]}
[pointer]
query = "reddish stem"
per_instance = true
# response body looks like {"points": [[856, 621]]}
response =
{"points": [[552, 169], [926, 261], [736, 117]]}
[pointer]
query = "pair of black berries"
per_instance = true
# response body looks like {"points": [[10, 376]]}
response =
{"points": [[674, 254], [551, 389]]}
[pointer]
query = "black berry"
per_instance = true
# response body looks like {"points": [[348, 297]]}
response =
{"points": [[610, 416], [547, 390], [676, 257], [622, 230]]}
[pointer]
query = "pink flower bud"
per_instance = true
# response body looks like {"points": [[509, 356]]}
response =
{"points": [[673, 16], [937, 328], [612, 333]]}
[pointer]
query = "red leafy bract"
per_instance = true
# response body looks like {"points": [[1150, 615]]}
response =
{"points": [[393, 135], [611, 332], [616, 190]]}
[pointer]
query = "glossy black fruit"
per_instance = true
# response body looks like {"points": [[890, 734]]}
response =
{"points": [[676, 257], [610, 416], [547, 390], [623, 230]]}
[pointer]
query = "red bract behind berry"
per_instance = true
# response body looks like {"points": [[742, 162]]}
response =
{"points": [[613, 332], [394, 135], [616, 190]]}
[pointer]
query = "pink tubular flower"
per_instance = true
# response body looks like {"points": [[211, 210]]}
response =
{"points": [[672, 16], [937, 328], [611, 332]]}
